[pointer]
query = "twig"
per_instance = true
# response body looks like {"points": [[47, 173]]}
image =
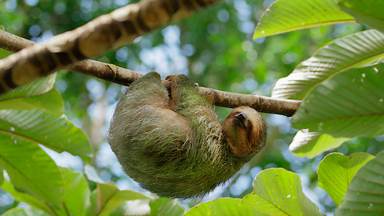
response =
{"points": [[124, 76]]}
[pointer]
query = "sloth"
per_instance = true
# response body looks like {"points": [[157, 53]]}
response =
{"points": [[171, 142]]}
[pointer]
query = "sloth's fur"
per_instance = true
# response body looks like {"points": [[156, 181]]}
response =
{"points": [[176, 146]]}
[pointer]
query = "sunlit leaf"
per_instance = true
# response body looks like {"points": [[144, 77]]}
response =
{"points": [[50, 102], [344, 53], [368, 12], [1, 175], [34, 88], [365, 195], [15, 212], [310, 144], [336, 171], [224, 207], [51, 131], [290, 15], [31, 170], [76, 194], [276, 192], [166, 206], [283, 190], [107, 198], [26, 198], [347, 105]]}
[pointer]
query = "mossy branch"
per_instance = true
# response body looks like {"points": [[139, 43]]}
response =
{"points": [[124, 76]]}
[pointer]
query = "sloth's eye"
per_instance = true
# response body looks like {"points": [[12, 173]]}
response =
{"points": [[241, 119]]}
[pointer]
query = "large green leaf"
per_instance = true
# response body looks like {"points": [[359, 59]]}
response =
{"points": [[282, 189], [347, 105], [341, 54], [51, 102], [290, 15], [310, 144], [76, 196], [31, 170], [225, 207], [275, 192], [1, 175], [34, 88], [18, 211], [165, 206], [15, 212], [40, 127], [368, 12], [26, 198], [107, 198], [336, 172], [365, 194]]}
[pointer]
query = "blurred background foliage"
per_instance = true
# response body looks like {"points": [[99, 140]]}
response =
{"points": [[214, 47]]}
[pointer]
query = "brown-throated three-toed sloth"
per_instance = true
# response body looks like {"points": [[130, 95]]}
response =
{"points": [[172, 142]]}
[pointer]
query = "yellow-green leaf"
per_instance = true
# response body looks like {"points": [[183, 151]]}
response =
{"points": [[337, 170], [347, 105], [290, 15], [365, 195]]}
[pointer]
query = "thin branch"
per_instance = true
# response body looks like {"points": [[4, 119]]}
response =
{"points": [[259, 103], [104, 33], [124, 76]]}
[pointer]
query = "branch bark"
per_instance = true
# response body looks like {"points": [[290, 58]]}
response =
{"points": [[124, 76], [98, 69], [93, 39]]}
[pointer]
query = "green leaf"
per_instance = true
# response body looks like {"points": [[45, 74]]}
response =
{"points": [[290, 15], [365, 195], [53, 132], [76, 193], [31, 170], [224, 207], [34, 88], [1, 175], [347, 105], [311, 144], [368, 12], [15, 212], [342, 54], [166, 206], [336, 172], [25, 211], [107, 198], [26, 198], [275, 192], [282, 190], [51, 102]]}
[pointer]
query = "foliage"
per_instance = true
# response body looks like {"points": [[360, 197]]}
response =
{"points": [[275, 192], [340, 86]]}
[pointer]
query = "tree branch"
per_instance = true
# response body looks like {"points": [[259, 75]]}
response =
{"points": [[104, 33], [98, 69], [124, 76]]}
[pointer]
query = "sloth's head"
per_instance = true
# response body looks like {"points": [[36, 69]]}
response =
{"points": [[244, 131]]}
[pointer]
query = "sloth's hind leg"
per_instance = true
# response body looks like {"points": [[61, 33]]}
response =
{"points": [[148, 90]]}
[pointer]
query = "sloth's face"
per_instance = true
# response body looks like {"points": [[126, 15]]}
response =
{"points": [[244, 131]]}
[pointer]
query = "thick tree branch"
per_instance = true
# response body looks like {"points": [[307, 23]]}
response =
{"points": [[98, 69], [93, 39], [124, 76]]}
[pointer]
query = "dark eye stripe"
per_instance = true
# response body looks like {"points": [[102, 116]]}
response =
{"points": [[249, 131]]}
